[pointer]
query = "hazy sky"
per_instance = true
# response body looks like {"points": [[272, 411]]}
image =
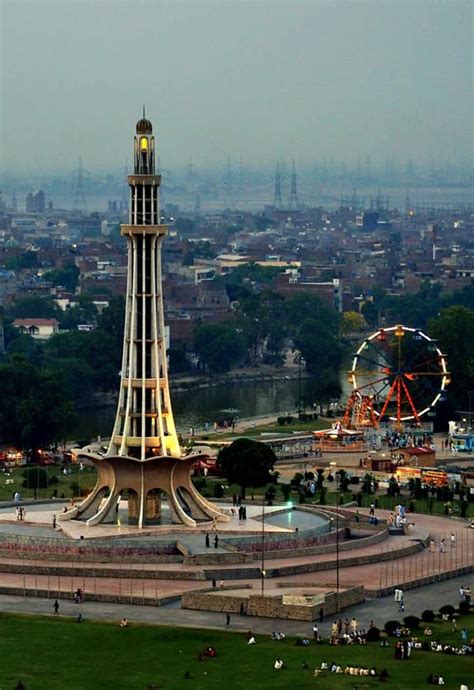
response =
{"points": [[261, 79]]}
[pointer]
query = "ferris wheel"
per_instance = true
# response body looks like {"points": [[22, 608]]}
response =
{"points": [[402, 372]]}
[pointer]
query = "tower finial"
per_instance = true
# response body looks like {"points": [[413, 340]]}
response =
{"points": [[144, 111]]}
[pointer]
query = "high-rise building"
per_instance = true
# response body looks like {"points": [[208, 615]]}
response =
{"points": [[35, 202], [144, 458]]}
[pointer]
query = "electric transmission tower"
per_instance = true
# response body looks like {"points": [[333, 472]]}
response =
{"points": [[197, 205], [277, 194], [293, 200], [80, 176]]}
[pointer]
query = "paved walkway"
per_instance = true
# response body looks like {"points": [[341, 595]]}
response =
{"points": [[379, 610], [381, 574]]}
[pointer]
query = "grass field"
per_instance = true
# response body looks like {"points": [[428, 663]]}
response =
{"points": [[9, 483], [53, 653]]}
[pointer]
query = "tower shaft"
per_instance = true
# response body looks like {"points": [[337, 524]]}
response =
{"points": [[144, 423]]}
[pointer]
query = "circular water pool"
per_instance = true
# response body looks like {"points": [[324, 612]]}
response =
{"points": [[294, 518]]}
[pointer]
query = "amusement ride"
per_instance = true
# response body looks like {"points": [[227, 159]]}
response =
{"points": [[398, 376]]}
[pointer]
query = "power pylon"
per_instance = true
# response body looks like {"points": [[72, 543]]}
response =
{"points": [[79, 175], [241, 171], [197, 205], [228, 172], [293, 200], [277, 194]]}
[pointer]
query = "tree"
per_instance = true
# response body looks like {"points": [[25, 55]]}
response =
{"points": [[370, 313], [35, 410], [26, 259], [66, 277], [352, 322], [454, 330], [247, 462], [35, 478], [36, 308], [219, 347]]}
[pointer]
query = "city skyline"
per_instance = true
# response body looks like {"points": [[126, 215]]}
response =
{"points": [[311, 81]]}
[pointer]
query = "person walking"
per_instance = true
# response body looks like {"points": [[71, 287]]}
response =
{"points": [[56, 607], [208, 543], [453, 540], [315, 631], [54, 521], [216, 541], [372, 509], [227, 620]]}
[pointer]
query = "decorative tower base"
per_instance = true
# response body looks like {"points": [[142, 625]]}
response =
{"points": [[144, 483], [144, 457]]}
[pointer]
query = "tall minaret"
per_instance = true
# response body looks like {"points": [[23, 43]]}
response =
{"points": [[144, 461], [144, 424]]}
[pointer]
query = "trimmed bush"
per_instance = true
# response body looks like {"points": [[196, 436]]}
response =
{"points": [[218, 491], [427, 616], [447, 610], [373, 634], [411, 622], [464, 608], [391, 626]]}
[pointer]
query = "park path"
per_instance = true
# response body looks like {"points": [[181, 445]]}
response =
{"points": [[381, 574], [379, 610]]}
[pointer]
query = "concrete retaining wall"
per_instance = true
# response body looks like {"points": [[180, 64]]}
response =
{"points": [[272, 606]]}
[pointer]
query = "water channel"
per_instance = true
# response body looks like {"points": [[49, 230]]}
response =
{"points": [[196, 407]]}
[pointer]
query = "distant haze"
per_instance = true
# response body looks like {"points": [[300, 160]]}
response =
{"points": [[259, 79]]}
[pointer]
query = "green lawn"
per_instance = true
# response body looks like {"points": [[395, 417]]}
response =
{"points": [[388, 502], [51, 653], [85, 479], [275, 428]]}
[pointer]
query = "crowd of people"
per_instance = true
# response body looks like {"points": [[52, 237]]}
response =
{"points": [[333, 667], [347, 632]]}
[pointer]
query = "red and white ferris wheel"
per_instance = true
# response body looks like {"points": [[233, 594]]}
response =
{"points": [[401, 372]]}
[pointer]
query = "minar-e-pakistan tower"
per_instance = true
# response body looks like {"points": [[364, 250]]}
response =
{"points": [[144, 457]]}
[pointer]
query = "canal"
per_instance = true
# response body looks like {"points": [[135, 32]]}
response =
{"points": [[194, 408]]}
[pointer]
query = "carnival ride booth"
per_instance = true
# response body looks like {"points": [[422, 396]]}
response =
{"points": [[414, 457], [462, 443], [340, 440], [378, 464], [428, 476]]}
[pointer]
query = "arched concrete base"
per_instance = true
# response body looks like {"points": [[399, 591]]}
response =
{"points": [[117, 474]]}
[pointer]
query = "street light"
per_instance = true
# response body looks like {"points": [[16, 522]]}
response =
{"points": [[333, 468], [262, 567]]}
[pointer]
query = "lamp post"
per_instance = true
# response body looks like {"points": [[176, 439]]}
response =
{"points": [[333, 467], [262, 567]]}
